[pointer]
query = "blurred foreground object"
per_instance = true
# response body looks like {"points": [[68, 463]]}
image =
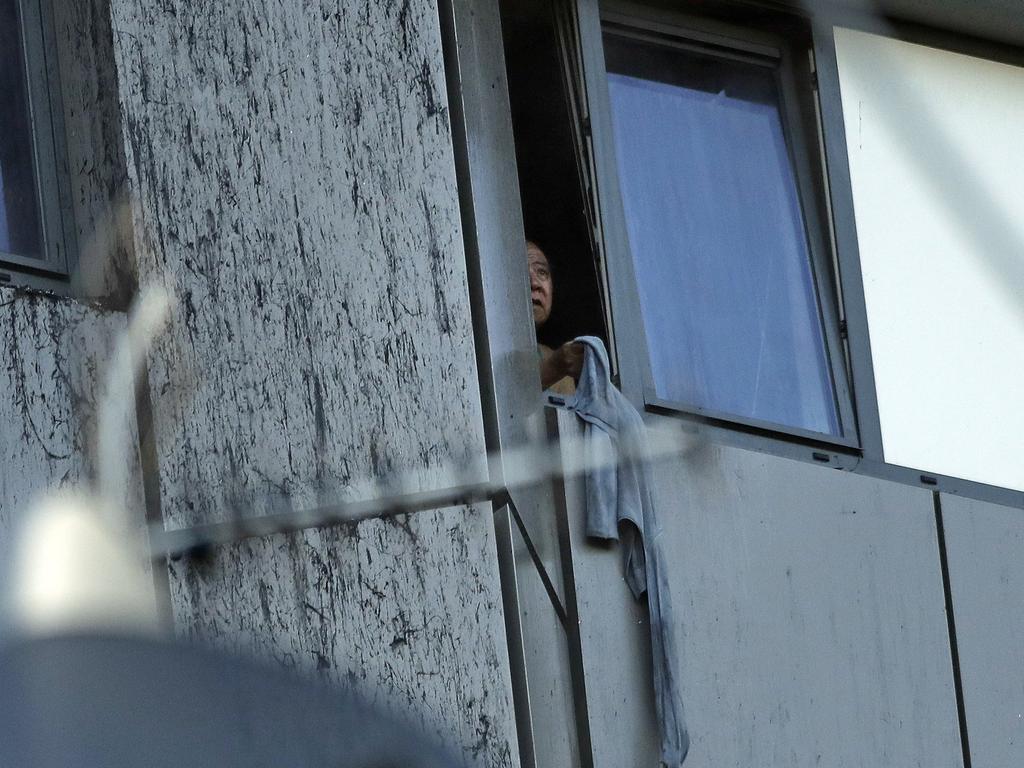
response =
{"points": [[73, 572], [108, 702]]}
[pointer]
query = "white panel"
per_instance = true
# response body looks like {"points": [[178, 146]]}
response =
{"points": [[937, 168]]}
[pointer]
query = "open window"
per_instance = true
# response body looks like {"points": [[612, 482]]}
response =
{"points": [[670, 165], [540, 48], [682, 161], [33, 237], [720, 200]]}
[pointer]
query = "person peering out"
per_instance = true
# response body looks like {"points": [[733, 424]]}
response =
{"points": [[559, 368]]}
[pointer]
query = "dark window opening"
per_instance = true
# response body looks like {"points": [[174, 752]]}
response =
{"points": [[36, 221], [19, 210], [555, 208]]}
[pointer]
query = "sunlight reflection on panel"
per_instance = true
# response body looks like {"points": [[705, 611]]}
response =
{"points": [[934, 144]]}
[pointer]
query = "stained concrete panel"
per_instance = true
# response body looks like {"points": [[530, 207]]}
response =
{"points": [[292, 178], [94, 157], [54, 352], [984, 543], [809, 612], [405, 611]]}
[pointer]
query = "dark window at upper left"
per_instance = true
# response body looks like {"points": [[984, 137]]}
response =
{"points": [[20, 230]]}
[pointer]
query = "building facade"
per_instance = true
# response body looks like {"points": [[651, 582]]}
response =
{"points": [[337, 194]]}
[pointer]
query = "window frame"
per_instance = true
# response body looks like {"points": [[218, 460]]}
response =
{"points": [[802, 131], [938, 31], [53, 269], [824, 24]]}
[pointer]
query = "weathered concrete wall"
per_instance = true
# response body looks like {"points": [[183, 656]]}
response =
{"points": [[54, 352], [293, 179], [401, 609], [94, 146], [291, 175]]}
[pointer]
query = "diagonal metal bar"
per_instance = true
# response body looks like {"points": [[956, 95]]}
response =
{"points": [[528, 465], [177, 542], [542, 572]]}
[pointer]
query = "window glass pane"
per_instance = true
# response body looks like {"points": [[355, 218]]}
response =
{"points": [[717, 236], [936, 163], [19, 213]]}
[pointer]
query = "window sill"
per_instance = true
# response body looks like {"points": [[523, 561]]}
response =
{"points": [[816, 448], [32, 274], [654, 404]]}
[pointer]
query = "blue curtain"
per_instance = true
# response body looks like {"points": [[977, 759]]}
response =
{"points": [[721, 256]]}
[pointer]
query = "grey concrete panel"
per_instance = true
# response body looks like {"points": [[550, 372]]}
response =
{"points": [[404, 610], [291, 175], [984, 546], [614, 641], [809, 610], [545, 656], [54, 352]]}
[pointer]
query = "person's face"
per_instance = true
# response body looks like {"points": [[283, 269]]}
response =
{"points": [[541, 288]]}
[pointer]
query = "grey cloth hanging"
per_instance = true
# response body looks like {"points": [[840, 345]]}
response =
{"points": [[620, 506]]}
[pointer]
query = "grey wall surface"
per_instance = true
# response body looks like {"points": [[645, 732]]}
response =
{"points": [[291, 174], [54, 350], [54, 354], [292, 178], [810, 612], [984, 543], [94, 147], [403, 610]]}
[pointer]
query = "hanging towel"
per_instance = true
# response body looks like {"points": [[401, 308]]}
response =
{"points": [[620, 506]]}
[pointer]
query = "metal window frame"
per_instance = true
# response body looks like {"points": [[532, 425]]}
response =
{"points": [[52, 269], [867, 458], [529, 540], [798, 107], [834, 137], [570, 44]]}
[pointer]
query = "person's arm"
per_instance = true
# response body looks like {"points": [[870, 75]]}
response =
{"points": [[567, 360]]}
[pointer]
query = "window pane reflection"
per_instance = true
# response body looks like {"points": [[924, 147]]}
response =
{"points": [[717, 236]]}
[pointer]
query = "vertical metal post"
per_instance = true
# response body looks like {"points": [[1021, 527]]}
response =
{"points": [[506, 347]]}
